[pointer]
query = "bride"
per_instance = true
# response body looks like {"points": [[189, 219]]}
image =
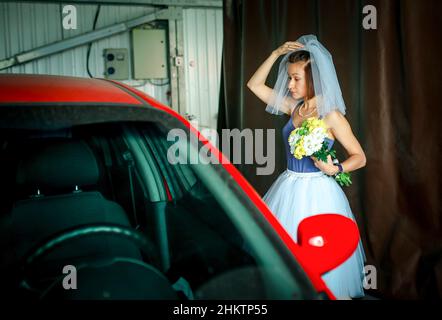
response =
{"points": [[307, 86]]}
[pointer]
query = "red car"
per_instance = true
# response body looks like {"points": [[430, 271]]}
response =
{"points": [[92, 208]]}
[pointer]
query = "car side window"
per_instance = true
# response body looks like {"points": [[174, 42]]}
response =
{"points": [[200, 245]]}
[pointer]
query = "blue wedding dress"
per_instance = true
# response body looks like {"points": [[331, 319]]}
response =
{"points": [[302, 191]]}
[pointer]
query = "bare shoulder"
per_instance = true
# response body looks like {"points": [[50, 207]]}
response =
{"points": [[335, 119], [337, 124]]}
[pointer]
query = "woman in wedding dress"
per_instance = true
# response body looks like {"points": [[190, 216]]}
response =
{"points": [[307, 86]]}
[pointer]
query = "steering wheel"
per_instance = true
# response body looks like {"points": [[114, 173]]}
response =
{"points": [[53, 242]]}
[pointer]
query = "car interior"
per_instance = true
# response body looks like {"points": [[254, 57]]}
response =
{"points": [[104, 199]]}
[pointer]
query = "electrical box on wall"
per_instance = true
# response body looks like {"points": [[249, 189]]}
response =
{"points": [[149, 54], [116, 64]]}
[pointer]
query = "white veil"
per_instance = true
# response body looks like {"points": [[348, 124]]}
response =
{"points": [[325, 81]]}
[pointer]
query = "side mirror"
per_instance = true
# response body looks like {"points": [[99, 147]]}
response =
{"points": [[324, 242]]}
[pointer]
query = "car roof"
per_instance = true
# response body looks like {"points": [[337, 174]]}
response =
{"points": [[33, 88], [36, 101]]}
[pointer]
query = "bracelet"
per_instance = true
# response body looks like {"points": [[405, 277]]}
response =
{"points": [[339, 167]]}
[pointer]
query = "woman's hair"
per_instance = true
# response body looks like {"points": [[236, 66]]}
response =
{"points": [[303, 55]]}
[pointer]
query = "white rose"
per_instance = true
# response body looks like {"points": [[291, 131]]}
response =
{"points": [[319, 134], [309, 145]]}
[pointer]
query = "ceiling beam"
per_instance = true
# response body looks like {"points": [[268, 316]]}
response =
{"points": [[178, 3], [69, 43]]}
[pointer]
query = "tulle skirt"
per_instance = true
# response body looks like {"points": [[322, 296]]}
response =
{"points": [[298, 195]]}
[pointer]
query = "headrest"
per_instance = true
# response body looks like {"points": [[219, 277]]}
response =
{"points": [[57, 165]]}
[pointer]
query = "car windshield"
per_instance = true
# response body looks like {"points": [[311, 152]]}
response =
{"points": [[208, 242]]}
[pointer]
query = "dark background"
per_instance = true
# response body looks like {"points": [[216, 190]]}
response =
{"points": [[391, 82]]}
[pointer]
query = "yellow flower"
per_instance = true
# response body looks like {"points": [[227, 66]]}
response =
{"points": [[313, 123], [297, 155], [299, 149], [300, 142]]}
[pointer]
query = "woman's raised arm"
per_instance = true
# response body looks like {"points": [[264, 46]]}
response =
{"points": [[257, 82]]}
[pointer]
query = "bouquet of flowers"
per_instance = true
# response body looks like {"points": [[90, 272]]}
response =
{"points": [[309, 140]]}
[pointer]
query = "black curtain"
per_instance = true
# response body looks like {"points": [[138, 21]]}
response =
{"points": [[390, 79]]}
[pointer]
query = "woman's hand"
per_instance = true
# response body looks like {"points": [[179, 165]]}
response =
{"points": [[288, 46], [327, 167]]}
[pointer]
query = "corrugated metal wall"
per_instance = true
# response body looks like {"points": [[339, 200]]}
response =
{"points": [[24, 26], [203, 39]]}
